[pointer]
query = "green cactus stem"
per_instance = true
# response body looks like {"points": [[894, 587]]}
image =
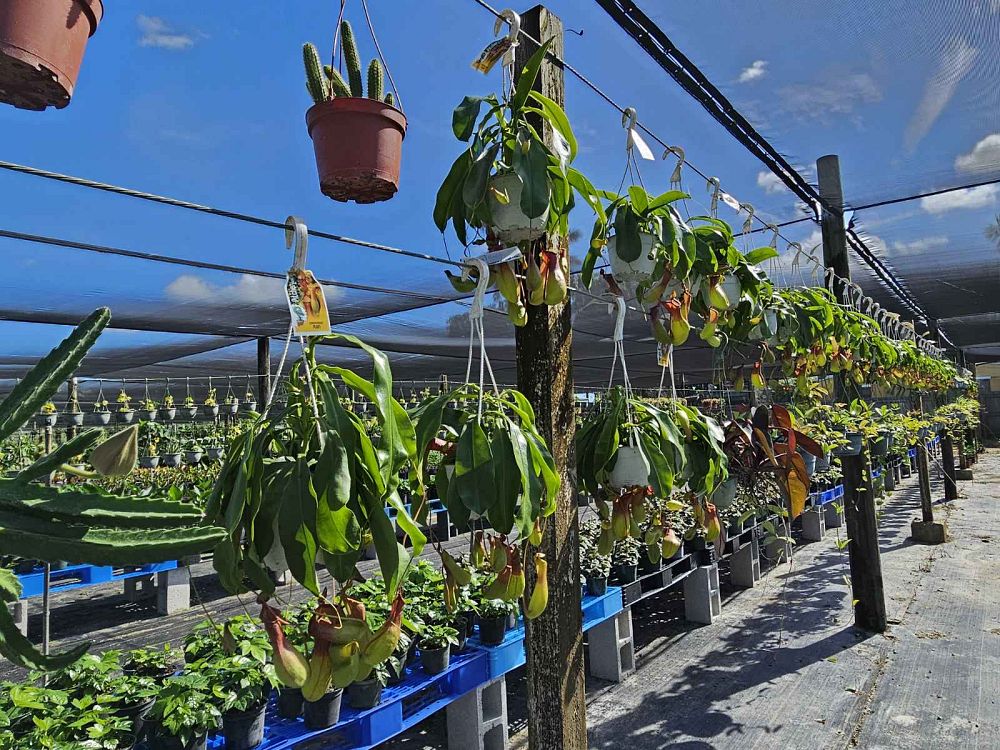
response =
{"points": [[337, 82], [390, 100], [376, 83], [351, 59], [316, 82]]}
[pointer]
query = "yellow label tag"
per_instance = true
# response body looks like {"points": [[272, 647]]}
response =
{"points": [[663, 354], [307, 304], [489, 56]]}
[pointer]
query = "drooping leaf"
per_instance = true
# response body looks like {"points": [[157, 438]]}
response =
{"points": [[628, 242], [761, 254], [508, 483], [526, 78], [15, 646], [463, 119], [474, 479], [61, 455], [531, 166], [297, 526]]}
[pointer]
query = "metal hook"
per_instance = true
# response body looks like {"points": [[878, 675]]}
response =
{"points": [[629, 118], [513, 21], [675, 176], [297, 232], [715, 187], [748, 224]]}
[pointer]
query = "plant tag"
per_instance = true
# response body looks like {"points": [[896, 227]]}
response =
{"points": [[730, 201], [307, 303], [663, 354], [492, 54]]}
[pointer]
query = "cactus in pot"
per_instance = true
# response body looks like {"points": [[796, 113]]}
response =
{"points": [[324, 82]]}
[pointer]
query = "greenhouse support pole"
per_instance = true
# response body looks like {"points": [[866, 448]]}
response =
{"points": [[557, 717], [862, 530], [263, 370], [835, 254], [948, 466]]}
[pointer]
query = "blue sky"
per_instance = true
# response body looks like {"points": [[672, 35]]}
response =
{"points": [[205, 101]]}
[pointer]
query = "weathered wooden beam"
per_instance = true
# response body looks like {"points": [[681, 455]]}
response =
{"points": [[862, 530], [554, 641]]}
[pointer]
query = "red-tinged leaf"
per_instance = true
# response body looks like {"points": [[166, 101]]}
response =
{"points": [[809, 445], [764, 444], [781, 417], [798, 485]]}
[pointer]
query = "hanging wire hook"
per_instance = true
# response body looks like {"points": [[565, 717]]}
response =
{"points": [[715, 188], [675, 176]]}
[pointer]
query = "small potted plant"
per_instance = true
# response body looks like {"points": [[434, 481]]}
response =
{"points": [[435, 647], [102, 411], [190, 407], [47, 415], [74, 414], [147, 410], [125, 411], [625, 560], [151, 662], [130, 697], [210, 407], [365, 694], [594, 566], [214, 452], [243, 685], [250, 400], [192, 452], [183, 714], [357, 138], [171, 454], [232, 405], [492, 622], [167, 409]]}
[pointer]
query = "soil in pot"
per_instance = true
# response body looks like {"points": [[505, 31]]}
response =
{"points": [[492, 630], [289, 702], [41, 49], [243, 730], [597, 585], [624, 573], [358, 144], [435, 660], [325, 712], [364, 694]]}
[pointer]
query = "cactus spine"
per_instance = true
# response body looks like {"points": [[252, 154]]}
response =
{"points": [[352, 59], [376, 84], [316, 81]]}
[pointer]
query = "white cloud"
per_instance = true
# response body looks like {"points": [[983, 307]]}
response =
{"points": [[814, 243], [157, 33], [916, 247], [770, 183], [984, 155], [835, 97], [757, 69], [974, 197], [956, 61], [247, 290]]}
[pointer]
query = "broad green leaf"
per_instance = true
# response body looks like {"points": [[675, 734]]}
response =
{"points": [[508, 483], [16, 647], [451, 189], [463, 119], [61, 455], [474, 479], [531, 166], [297, 527], [758, 256], [628, 242], [526, 78], [557, 118], [474, 190]]}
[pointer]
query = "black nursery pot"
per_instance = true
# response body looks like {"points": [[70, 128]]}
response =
{"points": [[325, 712], [289, 702], [597, 586], [647, 566], [470, 622], [435, 660], [623, 573], [156, 739], [136, 714], [364, 694], [492, 630], [243, 730], [459, 623]]}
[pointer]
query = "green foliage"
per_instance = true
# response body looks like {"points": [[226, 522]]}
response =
{"points": [[186, 708], [352, 60], [376, 83], [317, 83], [438, 636]]}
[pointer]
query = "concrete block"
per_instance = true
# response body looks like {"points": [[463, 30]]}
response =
{"points": [[929, 532], [963, 474], [478, 720], [744, 565], [173, 590], [610, 650], [778, 551], [19, 611], [813, 525], [832, 517], [702, 595], [139, 588]]}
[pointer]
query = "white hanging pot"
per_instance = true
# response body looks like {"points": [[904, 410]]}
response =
{"points": [[631, 468], [640, 269], [724, 494], [733, 289], [510, 224]]}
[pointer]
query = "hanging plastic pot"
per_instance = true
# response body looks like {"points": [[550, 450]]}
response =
{"points": [[641, 268], [359, 145], [508, 221], [724, 494], [733, 289], [41, 47], [631, 468]]}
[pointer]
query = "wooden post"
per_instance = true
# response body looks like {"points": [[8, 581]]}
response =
{"points": [[924, 480], [554, 641], [948, 465], [862, 530], [263, 370], [834, 238]]}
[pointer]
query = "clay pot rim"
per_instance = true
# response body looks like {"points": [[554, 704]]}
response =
{"points": [[355, 104]]}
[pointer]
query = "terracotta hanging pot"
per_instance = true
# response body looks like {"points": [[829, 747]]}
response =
{"points": [[358, 144], [41, 47]]}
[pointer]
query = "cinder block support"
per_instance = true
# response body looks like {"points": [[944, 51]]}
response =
{"points": [[702, 596], [963, 475], [610, 648], [173, 590], [478, 720], [19, 611], [832, 517], [813, 525], [744, 565], [778, 551], [139, 588]]}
